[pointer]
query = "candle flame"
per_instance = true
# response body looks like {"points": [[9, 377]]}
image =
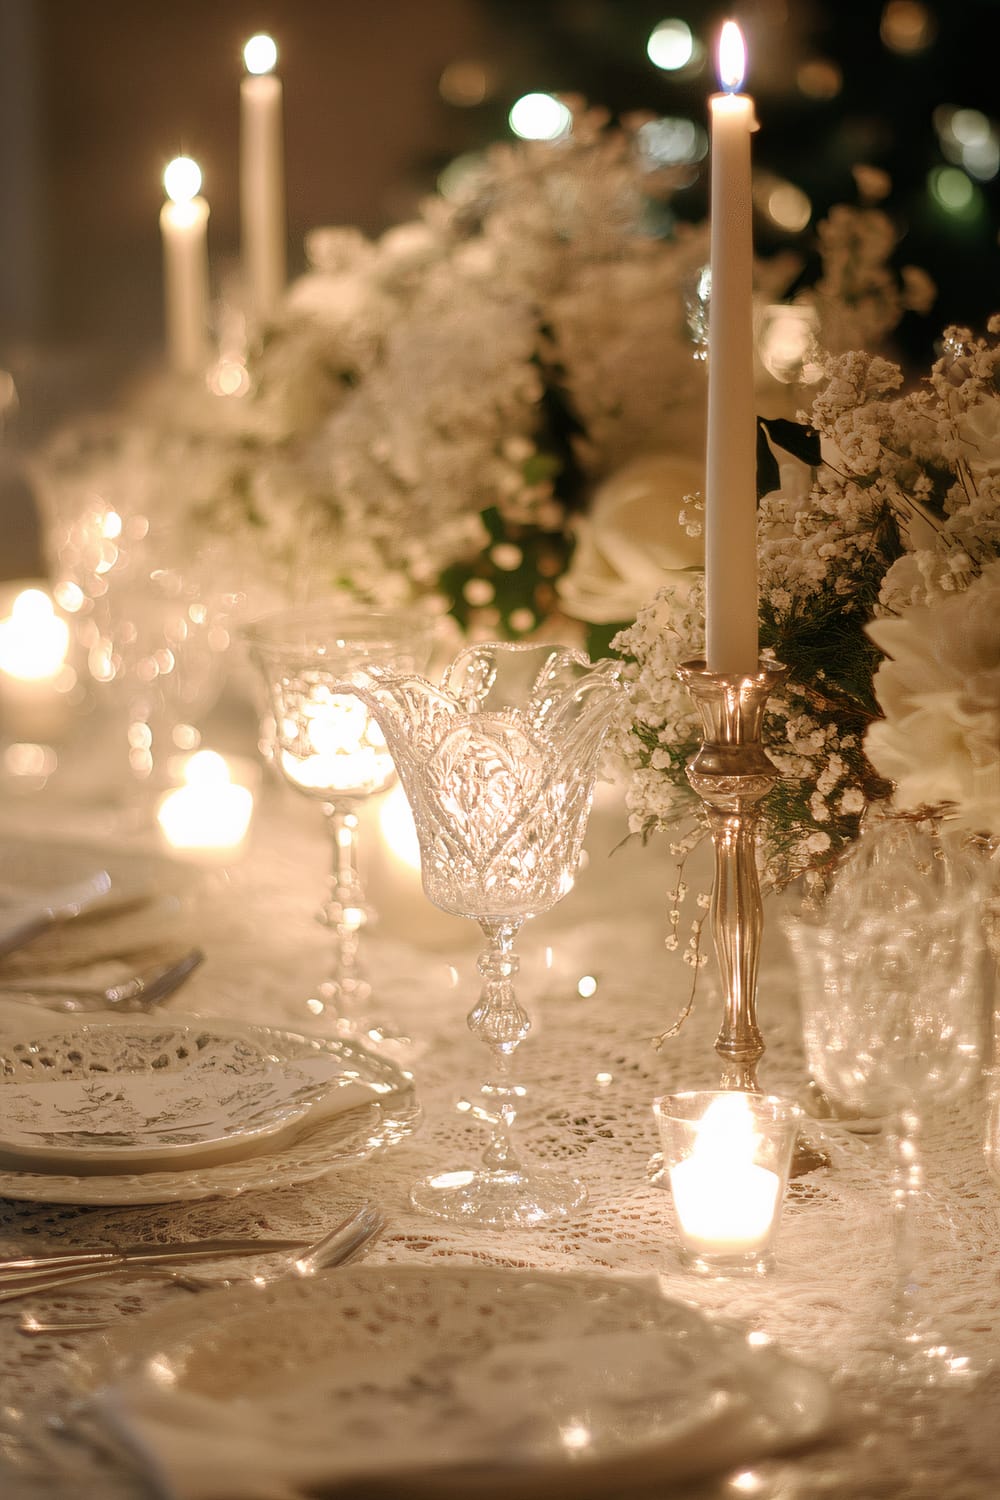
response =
{"points": [[725, 1133], [260, 54], [182, 179], [732, 62]]}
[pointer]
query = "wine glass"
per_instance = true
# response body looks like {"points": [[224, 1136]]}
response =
{"points": [[894, 1020], [328, 747], [499, 764]]}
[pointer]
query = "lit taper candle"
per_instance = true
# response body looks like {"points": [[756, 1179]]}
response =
{"points": [[262, 178], [730, 477], [184, 228]]}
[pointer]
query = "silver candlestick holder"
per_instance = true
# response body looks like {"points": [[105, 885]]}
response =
{"points": [[732, 775]]}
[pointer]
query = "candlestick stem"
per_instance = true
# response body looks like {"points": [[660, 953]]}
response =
{"points": [[732, 774]]}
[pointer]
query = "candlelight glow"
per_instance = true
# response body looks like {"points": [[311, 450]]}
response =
{"points": [[260, 54], [398, 828], [210, 812], [337, 748], [732, 58], [182, 179], [33, 638], [724, 1201]]}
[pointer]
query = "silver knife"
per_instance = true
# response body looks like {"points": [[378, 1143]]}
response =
{"points": [[24, 1267]]}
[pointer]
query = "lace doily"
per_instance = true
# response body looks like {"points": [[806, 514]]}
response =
{"points": [[598, 985]]}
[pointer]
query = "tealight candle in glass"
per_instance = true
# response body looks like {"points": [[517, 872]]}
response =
{"points": [[726, 1157]]}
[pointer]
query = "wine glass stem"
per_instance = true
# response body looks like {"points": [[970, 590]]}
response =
{"points": [[908, 1310], [346, 912], [502, 1023]]}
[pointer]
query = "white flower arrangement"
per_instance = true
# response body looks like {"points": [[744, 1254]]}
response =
{"points": [[888, 544]]}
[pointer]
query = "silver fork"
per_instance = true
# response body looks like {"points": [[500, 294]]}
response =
{"points": [[338, 1247], [138, 992]]}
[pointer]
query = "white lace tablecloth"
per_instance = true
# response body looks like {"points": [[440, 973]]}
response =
{"points": [[592, 1074]]}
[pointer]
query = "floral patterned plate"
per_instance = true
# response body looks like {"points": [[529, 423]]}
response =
{"points": [[135, 1111]]}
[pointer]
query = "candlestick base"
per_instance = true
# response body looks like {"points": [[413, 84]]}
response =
{"points": [[732, 774]]}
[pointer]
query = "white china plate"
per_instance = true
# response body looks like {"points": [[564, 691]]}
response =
{"points": [[452, 1382], [317, 1145], [156, 1094]]}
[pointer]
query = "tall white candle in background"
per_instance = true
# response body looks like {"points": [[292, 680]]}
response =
{"points": [[730, 478], [184, 227], [262, 178]]}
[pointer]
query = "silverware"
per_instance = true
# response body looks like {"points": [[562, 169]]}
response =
{"points": [[35, 917], [339, 1247], [15, 1268], [137, 993]]}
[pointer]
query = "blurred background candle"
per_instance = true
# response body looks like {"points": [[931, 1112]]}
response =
{"points": [[262, 178], [184, 228], [210, 812], [35, 678], [730, 473]]}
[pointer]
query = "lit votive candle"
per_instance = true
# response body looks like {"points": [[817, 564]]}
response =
{"points": [[726, 1157], [209, 815]]}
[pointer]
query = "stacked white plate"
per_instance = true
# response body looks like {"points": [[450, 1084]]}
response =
{"points": [[137, 1110]]}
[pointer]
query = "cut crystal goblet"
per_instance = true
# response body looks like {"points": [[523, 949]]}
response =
{"points": [[327, 746], [498, 763]]}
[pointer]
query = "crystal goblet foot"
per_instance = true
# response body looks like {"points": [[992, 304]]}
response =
{"points": [[327, 746], [498, 763]]}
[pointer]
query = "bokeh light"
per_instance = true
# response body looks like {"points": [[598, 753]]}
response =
{"points": [[954, 191], [969, 139], [670, 45], [819, 78], [789, 207], [540, 117], [907, 26], [465, 83], [671, 142]]}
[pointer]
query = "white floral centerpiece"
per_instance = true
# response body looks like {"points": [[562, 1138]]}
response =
{"points": [[888, 543], [476, 407]]}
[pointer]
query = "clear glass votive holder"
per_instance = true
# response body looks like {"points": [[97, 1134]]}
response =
{"points": [[726, 1158]]}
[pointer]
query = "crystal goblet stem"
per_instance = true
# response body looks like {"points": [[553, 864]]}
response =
{"points": [[502, 1023], [505, 1192], [345, 912]]}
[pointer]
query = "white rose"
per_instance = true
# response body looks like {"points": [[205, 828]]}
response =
{"points": [[940, 693], [633, 542]]}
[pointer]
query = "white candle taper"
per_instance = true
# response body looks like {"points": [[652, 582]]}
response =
{"points": [[730, 478], [262, 178], [184, 229]]}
